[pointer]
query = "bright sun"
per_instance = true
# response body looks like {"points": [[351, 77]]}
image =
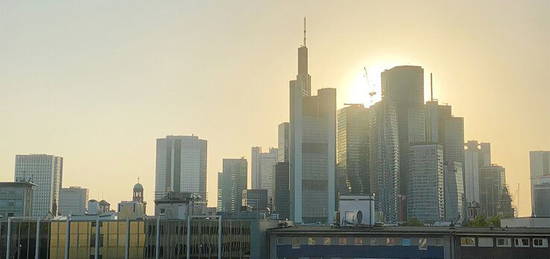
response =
{"points": [[364, 88]]}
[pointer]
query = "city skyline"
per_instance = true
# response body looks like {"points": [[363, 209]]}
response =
{"points": [[74, 125]]}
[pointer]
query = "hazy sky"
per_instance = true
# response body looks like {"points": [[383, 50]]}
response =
{"points": [[98, 81]]}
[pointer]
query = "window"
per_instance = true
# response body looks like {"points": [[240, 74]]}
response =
{"points": [[467, 241], [485, 242], [503, 242], [540, 242], [521, 242]]}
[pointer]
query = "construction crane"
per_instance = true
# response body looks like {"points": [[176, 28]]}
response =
{"points": [[372, 93]]}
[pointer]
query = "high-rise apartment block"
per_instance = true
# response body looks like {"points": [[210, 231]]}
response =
{"points": [[181, 165], [73, 201], [233, 182], [46, 172], [426, 201]]}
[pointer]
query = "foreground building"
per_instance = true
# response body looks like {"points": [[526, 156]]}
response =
{"points": [[46, 172], [312, 157], [15, 199]]}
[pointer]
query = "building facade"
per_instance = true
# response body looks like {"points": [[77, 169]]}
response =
{"points": [[234, 182], [492, 181], [281, 193], [352, 150], [312, 158], [426, 201], [73, 201], [540, 176], [476, 156], [263, 169], [181, 165], [46, 172], [255, 200], [15, 199], [283, 135]]}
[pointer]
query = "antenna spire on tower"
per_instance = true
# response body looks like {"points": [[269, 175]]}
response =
{"points": [[304, 31]]}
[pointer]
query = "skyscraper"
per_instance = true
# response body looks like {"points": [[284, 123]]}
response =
{"points": [[73, 201], [425, 201], [384, 160], [540, 182], [263, 168], [181, 165], [473, 161], [312, 148], [234, 181], [281, 194], [46, 171], [403, 86], [454, 192], [352, 150], [283, 142], [492, 181]]}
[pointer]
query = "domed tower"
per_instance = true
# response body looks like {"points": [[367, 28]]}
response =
{"points": [[138, 192]]}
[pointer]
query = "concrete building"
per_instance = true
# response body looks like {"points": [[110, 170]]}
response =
{"points": [[384, 162], [15, 199], [255, 200], [426, 201], [73, 201], [234, 181], [281, 192], [352, 151], [312, 157], [540, 178], [181, 165], [283, 142], [46, 172], [263, 169], [136, 208]]}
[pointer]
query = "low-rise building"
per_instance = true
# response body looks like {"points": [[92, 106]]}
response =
{"points": [[16, 199]]}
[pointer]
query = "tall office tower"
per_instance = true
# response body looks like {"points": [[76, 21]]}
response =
{"points": [[263, 168], [73, 200], [46, 171], [384, 161], [454, 192], [492, 181], [540, 182], [352, 172], [234, 181], [404, 87], [425, 201], [180, 166], [281, 193], [283, 142], [443, 128], [312, 148], [475, 157]]}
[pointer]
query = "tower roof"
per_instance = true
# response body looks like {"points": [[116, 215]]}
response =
{"points": [[138, 187]]}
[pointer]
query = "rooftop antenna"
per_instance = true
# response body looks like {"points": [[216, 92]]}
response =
{"points": [[304, 31], [431, 88]]}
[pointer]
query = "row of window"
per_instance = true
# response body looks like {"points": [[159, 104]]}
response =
{"points": [[539, 242]]}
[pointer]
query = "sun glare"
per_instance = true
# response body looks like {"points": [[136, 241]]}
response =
{"points": [[364, 85]]}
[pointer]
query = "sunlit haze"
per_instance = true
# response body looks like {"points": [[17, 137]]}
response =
{"points": [[97, 82]]}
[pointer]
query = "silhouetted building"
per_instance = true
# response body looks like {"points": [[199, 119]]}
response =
{"points": [[73, 201], [46, 172], [492, 181], [476, 156], [15, 199], [352, 150], [181, 165], [281, 193], [454, 192], [234, 181], [312, 148]]}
